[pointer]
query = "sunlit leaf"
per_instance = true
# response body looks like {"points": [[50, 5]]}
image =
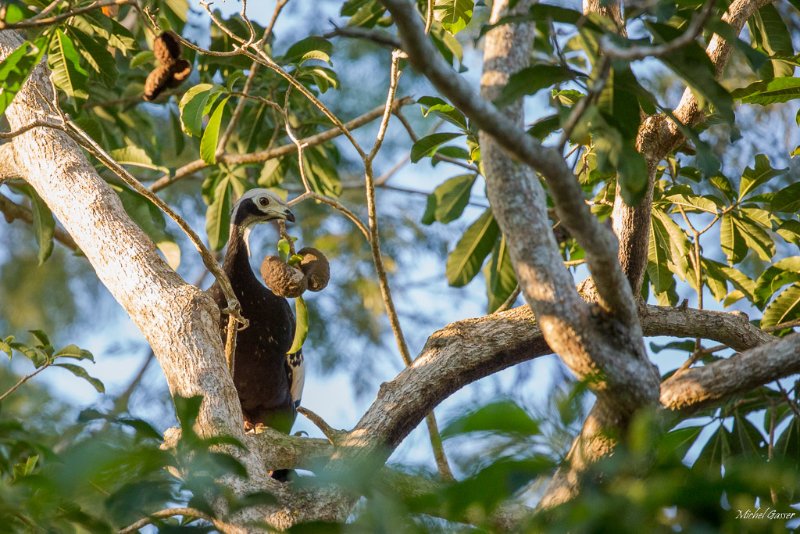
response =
{"points": [[301, 325], [466, 259]]}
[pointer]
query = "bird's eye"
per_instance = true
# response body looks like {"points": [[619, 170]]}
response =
{"points": [[263, 201]]}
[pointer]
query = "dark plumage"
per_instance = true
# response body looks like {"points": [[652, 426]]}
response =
{"points": [[268, 381]]}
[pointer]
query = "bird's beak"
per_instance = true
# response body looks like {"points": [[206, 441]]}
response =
{"points": [[289, 215]]}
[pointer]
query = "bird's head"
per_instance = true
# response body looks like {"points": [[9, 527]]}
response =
{"points": [[258, 206]]}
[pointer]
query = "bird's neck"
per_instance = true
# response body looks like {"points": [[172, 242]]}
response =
{"points": [[237, 258]]}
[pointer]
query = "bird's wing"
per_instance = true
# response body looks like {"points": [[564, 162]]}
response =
{"points": [[297, 375]]}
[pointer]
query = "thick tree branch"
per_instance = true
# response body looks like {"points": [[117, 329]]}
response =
{"points": [[598, 241], [657, 137], [700, 387]]}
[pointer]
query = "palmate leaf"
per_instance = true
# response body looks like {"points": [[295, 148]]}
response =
{"points": [[738, 279], [731, 240], [770, 33], [785, 307], [657, 258], [775, 277], [753, 178], [466, 259], [64, 61], [755, 238], [312, 47], [787, 200]]}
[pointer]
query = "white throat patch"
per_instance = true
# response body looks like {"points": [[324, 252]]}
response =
{"points": [[246, 239]]}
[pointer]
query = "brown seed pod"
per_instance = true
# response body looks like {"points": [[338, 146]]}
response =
{"points": [[156, 82], [180, 70], [283, 279], [316, 268], [167, 48]]}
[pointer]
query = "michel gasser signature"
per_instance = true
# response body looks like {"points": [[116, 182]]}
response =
{"points": [[764, 513]]}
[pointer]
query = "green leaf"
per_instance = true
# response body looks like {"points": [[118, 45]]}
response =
{"points": [[80, 372], [466, 259], [731, 240], [16, 68], [785, 271], [192, 106], [770, 34], [752, 178], [320, 164], [739, 280], [145, 57], [68, 74], [632, 175], [440, 108], [790, 231], [530, 80], [428, 145], [658, 257], [454, 15], [312, 47], [218, 215], [364, 13], [503, 416], [44, 224], [775, 91], [785, 307], [451, 197], [691, 63], [501, 281], [41, 337], [136, 157], [682, 195], [74, 352], [96, 56], [787, 200], [756, 238], [544, 127], [301, 325], [208, 144]]}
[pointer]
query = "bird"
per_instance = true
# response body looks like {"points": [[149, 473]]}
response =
{"points": [[269, 381]]}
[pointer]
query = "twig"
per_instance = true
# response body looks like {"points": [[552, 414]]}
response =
{"points": [[248, 84], [512, 298], [377, 37], [633, 53], [429, 17], [583, 104], [259, 157], [35, 124], [327, 430], [374, 241], [24, 379], [172, 512], [34, 22], [781, 326]]}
